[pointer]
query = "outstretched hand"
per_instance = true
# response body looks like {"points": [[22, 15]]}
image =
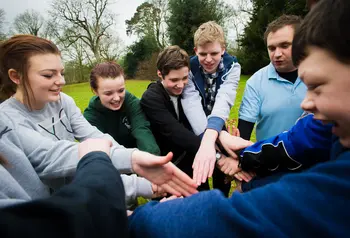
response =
{"points": [[229, 166], [233, 143], [204, 161], [160, 171]]}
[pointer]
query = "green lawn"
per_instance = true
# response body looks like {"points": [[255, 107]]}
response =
{"points": [[81, 92]]}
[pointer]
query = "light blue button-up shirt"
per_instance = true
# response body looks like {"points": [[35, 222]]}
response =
{"points": [[272, 102]]}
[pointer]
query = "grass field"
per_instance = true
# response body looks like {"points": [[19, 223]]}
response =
{"points": [[81, 93]]}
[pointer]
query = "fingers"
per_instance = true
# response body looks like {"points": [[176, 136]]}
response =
{"points": [[178, 188], [243, 176], [210, 171], [184, 178], [196, 175], [238, 133], [169, 198], [170, 189], [164, 159], [221, 162], [238, 176]]}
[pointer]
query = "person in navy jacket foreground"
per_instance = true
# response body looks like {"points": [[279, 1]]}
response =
{"points": [[313, 203]]}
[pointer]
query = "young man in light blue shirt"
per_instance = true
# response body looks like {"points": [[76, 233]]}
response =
{"points": [[273, 94]]}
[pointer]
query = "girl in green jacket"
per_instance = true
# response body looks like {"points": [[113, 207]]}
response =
{"points": [[115, 111]]}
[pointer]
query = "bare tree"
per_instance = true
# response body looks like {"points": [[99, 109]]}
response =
{"points": [[29, 22], [85, 20], [239, 12], [111, 48]]}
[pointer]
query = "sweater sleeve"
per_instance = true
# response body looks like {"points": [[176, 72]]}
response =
{"points": [[295, 206], [192, 105], [308, 142], [79, 209], [140, 126], [167, 125], [225, 98], [136, 187], [120, 156]]}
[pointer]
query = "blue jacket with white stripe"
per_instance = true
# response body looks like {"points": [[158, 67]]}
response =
{"points": [[308, 142]]}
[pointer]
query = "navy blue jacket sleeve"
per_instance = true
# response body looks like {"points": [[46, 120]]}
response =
{"points": [[308, 142], [314, 203], [93, 205]]}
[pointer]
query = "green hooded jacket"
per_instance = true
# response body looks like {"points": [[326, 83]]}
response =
{"points": [[128, 125]]}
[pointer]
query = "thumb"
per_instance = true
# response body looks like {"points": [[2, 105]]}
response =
{"points": [[243, 144], [161, 160]]}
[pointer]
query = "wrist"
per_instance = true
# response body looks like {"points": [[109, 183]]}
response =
{"points": [[210, 136], [218, 156], [134, 159]]}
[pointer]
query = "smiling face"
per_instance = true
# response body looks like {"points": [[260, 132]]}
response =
{"points": [[279, 47], [209, 55], [45, 77], [111, 92], [175, 81], [328, 95]]}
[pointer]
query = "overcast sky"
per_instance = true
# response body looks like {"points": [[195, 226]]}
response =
{"points": [[124, 9]]}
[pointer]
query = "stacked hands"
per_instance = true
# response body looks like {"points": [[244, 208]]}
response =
{"points": [[164, 175], [205, 159], [167, 178]]}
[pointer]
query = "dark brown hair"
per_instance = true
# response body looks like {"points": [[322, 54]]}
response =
{"points": [[326, 26], [105, 70], [282, 21], [15, 54], [172, 58]]}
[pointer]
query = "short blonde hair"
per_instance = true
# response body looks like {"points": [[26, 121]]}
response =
{"points": [[209, 32]]}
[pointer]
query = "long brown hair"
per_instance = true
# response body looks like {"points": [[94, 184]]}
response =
{"points": [[15, 54]]}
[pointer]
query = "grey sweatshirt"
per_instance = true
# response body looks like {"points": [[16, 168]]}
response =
{"points": [[47, 138]]}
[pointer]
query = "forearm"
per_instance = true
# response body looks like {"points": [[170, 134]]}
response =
{"points": [[81, 207], [209, 137], [192, 105], [225, 98]]}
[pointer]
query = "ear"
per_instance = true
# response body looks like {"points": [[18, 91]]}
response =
{"points": [[159, 74], [14, 76], [195, 49], [223, 49]]}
